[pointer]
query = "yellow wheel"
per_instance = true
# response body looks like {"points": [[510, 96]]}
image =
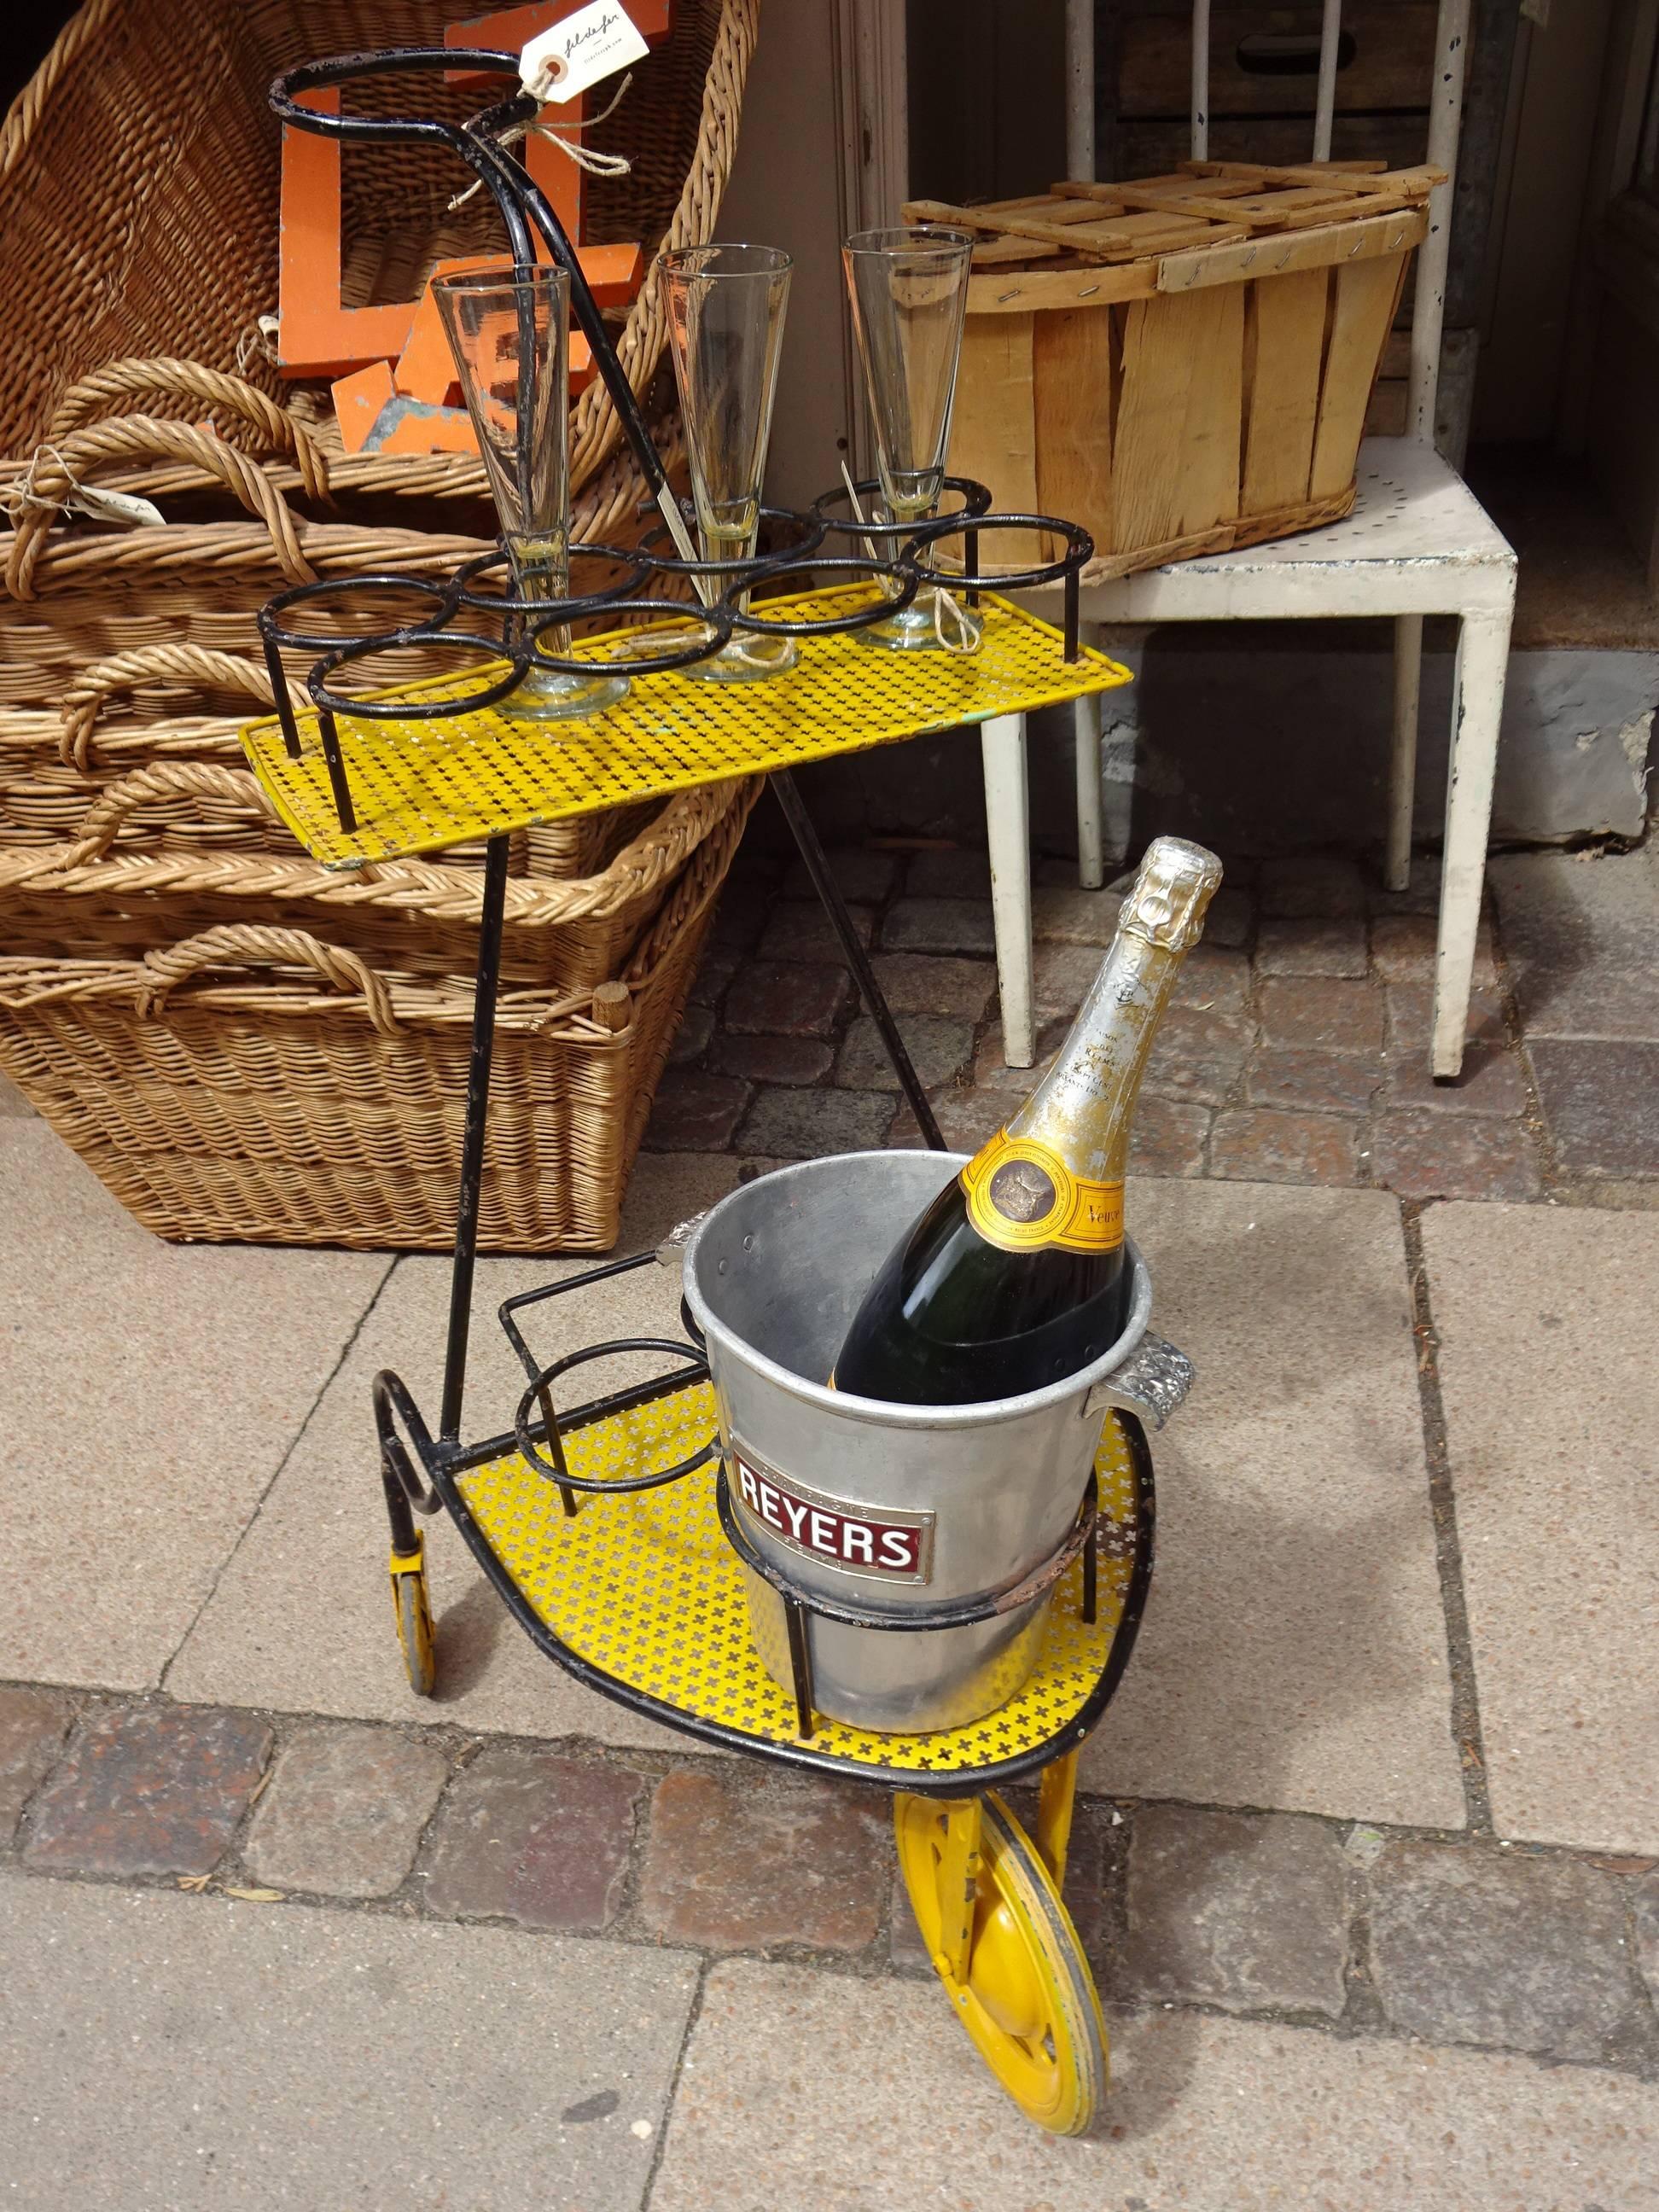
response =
{"points": [[1027, 1998], [413, 1612]]}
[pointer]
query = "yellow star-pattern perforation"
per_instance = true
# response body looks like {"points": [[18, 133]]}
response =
{"points": [[418, 786], [646, 1586]]}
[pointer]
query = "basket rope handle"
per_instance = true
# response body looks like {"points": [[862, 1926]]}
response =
{"points": [[200, 664], [238, 943], [55, 471], [162, 779], [279, 431]]}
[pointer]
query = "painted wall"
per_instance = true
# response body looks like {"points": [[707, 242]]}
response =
{"points": [[783, 192]]}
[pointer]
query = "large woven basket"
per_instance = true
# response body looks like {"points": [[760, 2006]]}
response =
{"points": [[139, 175], [139, 709], [75, 598], [322, 1103], [138, 238], [94, 899]]}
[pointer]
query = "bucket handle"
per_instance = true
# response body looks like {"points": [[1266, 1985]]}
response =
{"points": [[1151, 1382]]}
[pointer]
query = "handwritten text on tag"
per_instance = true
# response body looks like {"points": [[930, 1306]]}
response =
{"points": [[595, 42], [103, 505]]}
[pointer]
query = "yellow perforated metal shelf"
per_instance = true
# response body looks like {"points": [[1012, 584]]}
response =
{"points": [[645, 1588], [420, 786]]}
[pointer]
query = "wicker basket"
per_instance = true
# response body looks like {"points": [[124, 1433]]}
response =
{"points": [[53, 767], [139, 180], [1183, 364], [76, 598], [323, 1104], [139, 175], [92, 899]]}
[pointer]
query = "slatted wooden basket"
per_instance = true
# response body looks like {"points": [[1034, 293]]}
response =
{"points": [[1182, 364]]}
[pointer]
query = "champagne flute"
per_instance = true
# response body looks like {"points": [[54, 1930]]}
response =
{"points": [[726, 312], [908, 289], [508, 330]]}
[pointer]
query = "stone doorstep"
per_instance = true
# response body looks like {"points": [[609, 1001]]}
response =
{"points": [[1282, 1916]]}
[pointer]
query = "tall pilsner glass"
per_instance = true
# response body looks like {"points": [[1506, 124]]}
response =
{"points": [[908, 289], [725, 309], [508, 330]]}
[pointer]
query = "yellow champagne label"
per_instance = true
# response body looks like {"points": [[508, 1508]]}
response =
{"points": [[1021, 1196]]}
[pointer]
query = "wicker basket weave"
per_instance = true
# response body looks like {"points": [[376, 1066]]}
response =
{"points": [[139, 173], [75, 599], [56, 768], [323, 1104], [92, 900], [139, 177]]}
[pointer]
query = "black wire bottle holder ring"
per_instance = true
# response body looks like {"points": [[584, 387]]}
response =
{"points": [[515, 645]]}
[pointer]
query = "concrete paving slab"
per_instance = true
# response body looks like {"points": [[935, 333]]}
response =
{"points": [[783, 2103], [1580, 931], [301, 1620], [148, 1396], [190, 2052], [1545, 1315], [1294, 1649]]}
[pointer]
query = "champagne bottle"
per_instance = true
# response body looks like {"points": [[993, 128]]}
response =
{"points": [[1015, 1275]]}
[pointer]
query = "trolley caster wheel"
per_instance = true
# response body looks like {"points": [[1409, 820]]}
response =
{"points": [[413, 1612], [1026, 1997]]}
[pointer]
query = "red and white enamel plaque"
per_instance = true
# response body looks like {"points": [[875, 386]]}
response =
{"points": [[860, 1539]]}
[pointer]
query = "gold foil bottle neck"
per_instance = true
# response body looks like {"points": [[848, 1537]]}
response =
{"points": [[1177, 881]]}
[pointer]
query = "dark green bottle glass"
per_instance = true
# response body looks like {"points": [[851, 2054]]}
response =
{"points": [[1015, 1277]]}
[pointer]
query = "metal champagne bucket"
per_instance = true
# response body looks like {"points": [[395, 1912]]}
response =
{"points": [[895, 1512]]}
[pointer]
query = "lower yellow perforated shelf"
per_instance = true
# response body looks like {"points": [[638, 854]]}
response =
{"points": [[420, 786], [645, 1589]]}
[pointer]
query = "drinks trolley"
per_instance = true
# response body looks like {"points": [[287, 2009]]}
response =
{"points": [[608, 1527]]}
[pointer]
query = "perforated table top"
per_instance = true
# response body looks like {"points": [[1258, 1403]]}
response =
{"points": [[645, 1590], [420, 786]]}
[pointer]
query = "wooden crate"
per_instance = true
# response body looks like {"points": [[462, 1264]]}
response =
{"points": [[1182, 364]]}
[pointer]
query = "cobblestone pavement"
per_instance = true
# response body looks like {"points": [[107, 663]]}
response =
{"points": [[1367, 1852], [1296, 1050], [1342, 1927]]}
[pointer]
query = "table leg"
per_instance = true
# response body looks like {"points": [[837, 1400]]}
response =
{"points": [[1008, 832], [1483, 649], [1091, 826], [1402, 756]]}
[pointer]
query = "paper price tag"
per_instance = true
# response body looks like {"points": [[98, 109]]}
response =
{"points": [[595, 42], [123, 507]]}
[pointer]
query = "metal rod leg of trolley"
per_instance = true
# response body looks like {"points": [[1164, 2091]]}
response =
{"points": [[405, 1492]]}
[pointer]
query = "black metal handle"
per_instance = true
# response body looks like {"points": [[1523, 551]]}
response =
{"points": [[407, 1491]]}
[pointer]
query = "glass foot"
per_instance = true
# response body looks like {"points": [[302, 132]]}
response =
{"points": [[551, 696]]}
